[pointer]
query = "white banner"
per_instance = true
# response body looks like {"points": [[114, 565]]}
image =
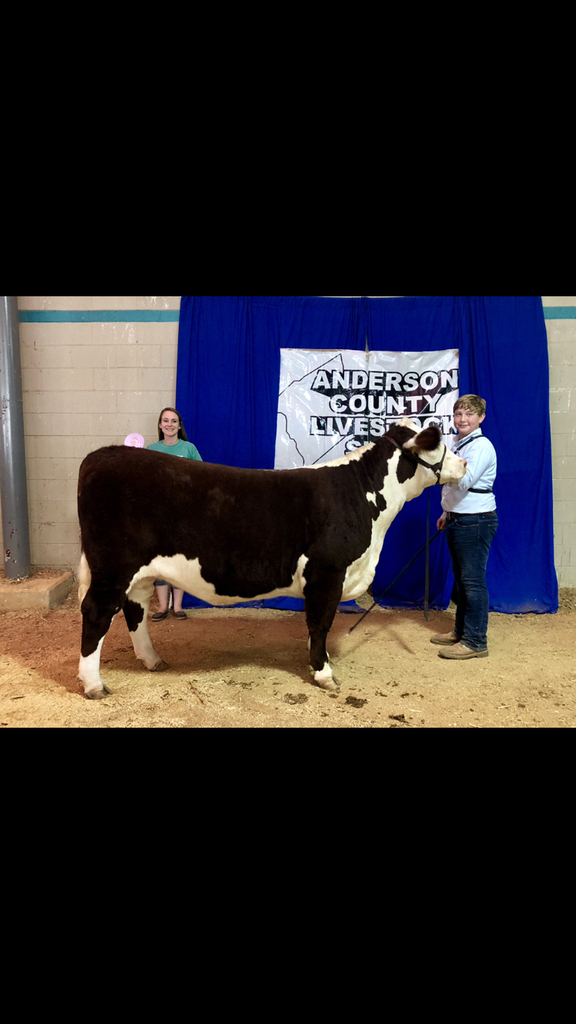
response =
{"points": [[333, 401]]}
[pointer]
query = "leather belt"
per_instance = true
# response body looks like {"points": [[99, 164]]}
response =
{"points": [[465, 515]]}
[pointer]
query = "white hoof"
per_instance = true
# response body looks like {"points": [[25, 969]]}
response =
{"points": [[327, 684], [98, 693], [324, 678]]}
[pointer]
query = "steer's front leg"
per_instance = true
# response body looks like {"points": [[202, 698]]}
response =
{"points": [[321, 604]]}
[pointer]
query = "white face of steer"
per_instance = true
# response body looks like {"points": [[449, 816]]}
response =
{"points": [[453, 467]]}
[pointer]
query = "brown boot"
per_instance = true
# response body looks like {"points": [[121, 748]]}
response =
{"points": [[459, 653], [445, 638]]}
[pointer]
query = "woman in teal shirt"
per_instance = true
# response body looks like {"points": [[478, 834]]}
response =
{"points": [[173, 441]]}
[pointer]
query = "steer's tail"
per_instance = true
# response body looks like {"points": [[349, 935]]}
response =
{"points": [[84, 578]]}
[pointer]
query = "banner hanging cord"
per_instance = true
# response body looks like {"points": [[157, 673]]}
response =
{"points": [[365, 304]]}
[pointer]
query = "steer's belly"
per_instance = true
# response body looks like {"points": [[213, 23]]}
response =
{"points": [[186, 574]]}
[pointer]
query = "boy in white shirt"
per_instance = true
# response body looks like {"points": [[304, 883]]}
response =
{"points": [[470, 521]]}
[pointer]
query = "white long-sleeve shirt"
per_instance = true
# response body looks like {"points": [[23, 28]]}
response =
{"points": [[480, 455]]}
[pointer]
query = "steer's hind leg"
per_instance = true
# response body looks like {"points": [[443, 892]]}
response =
{"points": [[136, 615], [99, 606], [321, 603]]}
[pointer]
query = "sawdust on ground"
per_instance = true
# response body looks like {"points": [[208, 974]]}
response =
{"points": [[248, 668]]}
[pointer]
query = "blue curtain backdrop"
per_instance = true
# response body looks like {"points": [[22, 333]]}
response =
{"points": [[227, 392]]}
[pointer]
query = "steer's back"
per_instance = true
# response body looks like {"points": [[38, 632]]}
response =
{"points": [[134, 504]]}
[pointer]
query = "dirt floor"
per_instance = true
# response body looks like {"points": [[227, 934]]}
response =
{"points": [[248, 668]]}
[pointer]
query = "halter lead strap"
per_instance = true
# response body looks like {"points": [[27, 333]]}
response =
{"points": [[474, 490], [468, 440]]}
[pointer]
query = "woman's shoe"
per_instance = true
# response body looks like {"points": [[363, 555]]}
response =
{"points": [[180, 615], [158, 616]]}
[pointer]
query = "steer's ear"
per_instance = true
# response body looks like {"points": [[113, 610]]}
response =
{"points": [[426, 441]]}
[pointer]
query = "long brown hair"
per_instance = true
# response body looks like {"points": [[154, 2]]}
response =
{"points": [[181, 431]]}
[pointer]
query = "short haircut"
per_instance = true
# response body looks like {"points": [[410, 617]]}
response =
{"points": [[472, 402]]}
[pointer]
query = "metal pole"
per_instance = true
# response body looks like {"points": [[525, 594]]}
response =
{"points": [[427, 566], [13, 489]]}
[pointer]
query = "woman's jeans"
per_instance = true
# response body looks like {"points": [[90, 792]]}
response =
{"points": [[469, 539]]}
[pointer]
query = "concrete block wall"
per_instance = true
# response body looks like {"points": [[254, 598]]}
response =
{"points": [[96, 368], [104, 371], [560, 313]]}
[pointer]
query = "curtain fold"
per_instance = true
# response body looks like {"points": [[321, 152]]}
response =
{"points": [[227, 392], [504, 358]]}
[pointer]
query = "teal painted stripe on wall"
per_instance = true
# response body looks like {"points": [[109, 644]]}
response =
{"points": [[559, 312], [98, 316]]}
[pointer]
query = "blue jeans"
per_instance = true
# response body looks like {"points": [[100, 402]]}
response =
{"points": [[469, 539]]}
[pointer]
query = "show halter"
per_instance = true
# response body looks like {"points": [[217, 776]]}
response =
{"points": [[436, 468]]}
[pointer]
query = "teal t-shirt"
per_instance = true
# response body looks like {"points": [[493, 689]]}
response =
{"points": [[185, 449]]}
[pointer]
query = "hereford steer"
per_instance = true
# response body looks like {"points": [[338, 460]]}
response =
{"points": [[228, 535]]}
